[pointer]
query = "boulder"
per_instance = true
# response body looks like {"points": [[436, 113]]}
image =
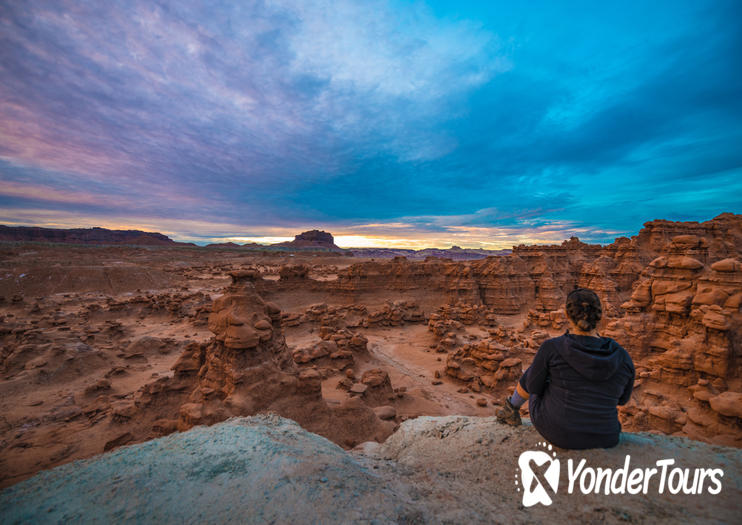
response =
{"points": [[727, 404]]}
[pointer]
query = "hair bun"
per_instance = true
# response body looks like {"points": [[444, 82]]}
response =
{"points": [[584, 309]]}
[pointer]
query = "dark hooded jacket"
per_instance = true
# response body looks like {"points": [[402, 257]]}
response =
{"points": [[575, 383]]}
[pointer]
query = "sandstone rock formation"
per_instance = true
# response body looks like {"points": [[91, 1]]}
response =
{"points": [[682, 324], [106, 346], [313, 240], [671, 296], [293, 272], [392, 313], [539, 277], [335, 351], [86, 236], [247, 369]]}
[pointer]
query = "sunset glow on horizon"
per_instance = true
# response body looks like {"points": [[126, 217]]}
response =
{"points": [[387, 124]]}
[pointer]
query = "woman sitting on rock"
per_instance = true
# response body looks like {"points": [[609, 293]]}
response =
{"points": [[575, 382]]}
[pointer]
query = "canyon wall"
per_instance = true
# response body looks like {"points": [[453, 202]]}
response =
{"points": [[671, 297]]}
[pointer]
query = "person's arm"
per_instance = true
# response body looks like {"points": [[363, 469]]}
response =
{"points": [[539, 371], [626, 395]]}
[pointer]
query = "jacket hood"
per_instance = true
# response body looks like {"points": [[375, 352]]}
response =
{"points": [[595, 358]]}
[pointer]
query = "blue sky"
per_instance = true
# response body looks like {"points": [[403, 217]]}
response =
{"points": [[387, 123]]}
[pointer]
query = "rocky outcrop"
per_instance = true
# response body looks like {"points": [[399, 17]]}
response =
{"points": [[81, 334], [395, 313], [432, 470], [449, 323], [392, 313], [722, 234], [334, 352], [540, 277], [485, 363], [312, 240], [682, 325], [532, 277], [293, 272], [674, 306], [399, 274], [248, 369], [86, 236]]}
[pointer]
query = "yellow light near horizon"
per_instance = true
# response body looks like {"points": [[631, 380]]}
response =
{"points": [[258, 240], [363, 241], [358, 241], [373, 235]]}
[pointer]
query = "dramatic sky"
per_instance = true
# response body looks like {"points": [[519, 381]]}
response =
{"points": [[386, 123]]}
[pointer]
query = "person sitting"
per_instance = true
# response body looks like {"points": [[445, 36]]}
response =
{"points": [[575, 382]]}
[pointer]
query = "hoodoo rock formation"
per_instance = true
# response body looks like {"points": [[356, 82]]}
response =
{"points": [[671, 296], [247, 368], [539, 277], [107, 346], [683, 323]]}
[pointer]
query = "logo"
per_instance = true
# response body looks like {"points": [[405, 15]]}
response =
{"points": [[540, 470], [539, 474]]}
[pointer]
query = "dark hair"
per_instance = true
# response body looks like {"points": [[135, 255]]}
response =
{"points": [[583, 308]]}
